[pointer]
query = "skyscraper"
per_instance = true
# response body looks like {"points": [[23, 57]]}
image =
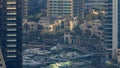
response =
{"points": [[73, 8], [108, 28], [111, 28], [116, 28], [11, 32]]}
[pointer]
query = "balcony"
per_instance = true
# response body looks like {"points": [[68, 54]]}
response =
{"points": [[11, 46], [11, 13], [11, 18], [11, 50], [11, 2], [109, 49], [108, 28], [11, 56], [11, 35], [108, 40], [11, 24], [11, 29], [12, 40], [9, 8]]}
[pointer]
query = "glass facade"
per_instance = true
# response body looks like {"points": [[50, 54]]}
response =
{"points": [[11, 33]]}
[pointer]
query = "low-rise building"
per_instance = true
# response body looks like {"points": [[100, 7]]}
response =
{"points": [[94, 26], [62, 22], [46, 21], [67, 38], [29, 26]]}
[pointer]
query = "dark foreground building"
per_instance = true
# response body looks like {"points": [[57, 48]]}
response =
{"points": [[11, 32]]}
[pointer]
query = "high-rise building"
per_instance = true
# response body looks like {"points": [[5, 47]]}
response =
{"points": [[108, 28], [116, 28], [2, 63], [73, 8], [111, 28], [11, 32]]}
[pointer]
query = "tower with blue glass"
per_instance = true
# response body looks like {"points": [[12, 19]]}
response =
{"points": [[11, 32]]}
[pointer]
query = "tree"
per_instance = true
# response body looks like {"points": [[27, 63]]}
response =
{"points": [[87, 34], [86, 37], [77, 31], [31, 18], [26, 27]]}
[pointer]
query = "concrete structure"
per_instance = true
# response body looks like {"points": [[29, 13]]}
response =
{"points": [[115, 22], [73, 8], [11, 32]]}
